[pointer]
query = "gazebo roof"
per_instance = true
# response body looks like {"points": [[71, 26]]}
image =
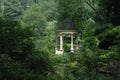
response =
{"points": [[66, 25]]}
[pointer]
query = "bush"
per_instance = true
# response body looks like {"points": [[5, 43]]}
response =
{"points": [[15, 41], [19, 60], [39, 62]]}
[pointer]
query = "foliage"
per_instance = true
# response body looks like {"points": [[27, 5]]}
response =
{"points": [[35, 19], [19, 59], [111, 10], [27, 40], [93, 65], [39, 62], [15, 40], [13, 9], [1, 9], [49, 9]]}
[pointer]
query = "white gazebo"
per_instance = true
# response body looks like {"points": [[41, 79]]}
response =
{"points": [[65, 27]]}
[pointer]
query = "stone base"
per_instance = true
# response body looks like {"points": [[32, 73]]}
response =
{"points": [[72, 50], [59, 52]]}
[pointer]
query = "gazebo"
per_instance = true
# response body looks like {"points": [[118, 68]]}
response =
{"points": [[63, 28]]}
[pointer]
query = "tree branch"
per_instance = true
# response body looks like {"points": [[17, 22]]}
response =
{"points": [[101, 17]]}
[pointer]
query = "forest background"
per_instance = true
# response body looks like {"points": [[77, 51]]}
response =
{"points": [[27, 40]]}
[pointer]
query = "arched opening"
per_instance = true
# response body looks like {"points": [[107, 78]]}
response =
{"points": [[66, 41]]}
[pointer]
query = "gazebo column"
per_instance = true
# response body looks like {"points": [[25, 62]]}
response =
{"points": [[77, 47], [61, 43], [56, 48], [72, 49]]}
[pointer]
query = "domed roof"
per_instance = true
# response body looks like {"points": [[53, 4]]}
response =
{"points": [[66, 25]]}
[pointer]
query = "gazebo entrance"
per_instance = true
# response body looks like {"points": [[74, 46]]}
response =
{"points": [[60, 42]]}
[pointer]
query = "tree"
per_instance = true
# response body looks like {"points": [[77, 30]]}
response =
{"points": [[111, 10], [49, 9], [18, 54], [35, 19], [15, 41], [1, 7], [13, 9]]}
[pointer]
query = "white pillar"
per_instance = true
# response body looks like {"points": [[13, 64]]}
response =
{"points": [[77, 47], [56, 48], [72, 50], [61, 42]]}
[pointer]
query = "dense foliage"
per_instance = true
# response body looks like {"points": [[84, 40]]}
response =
{"points": [[27, 40], [18, 55]]}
